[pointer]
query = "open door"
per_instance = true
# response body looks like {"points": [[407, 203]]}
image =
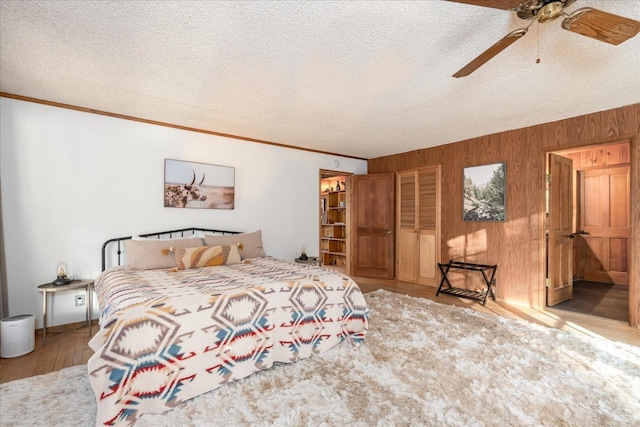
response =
{"points": [[605, 217], [560, 247], [373, 225]]}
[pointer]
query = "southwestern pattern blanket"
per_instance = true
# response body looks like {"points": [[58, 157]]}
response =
{"points": [[166, 337]]}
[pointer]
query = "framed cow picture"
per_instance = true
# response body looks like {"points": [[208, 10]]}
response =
{"points": [[198, 185]]}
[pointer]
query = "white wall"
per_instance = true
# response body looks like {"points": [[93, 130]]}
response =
{"points": [[71, 180]]}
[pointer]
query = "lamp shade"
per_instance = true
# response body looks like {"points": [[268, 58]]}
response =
{"points": [[62, 270]]}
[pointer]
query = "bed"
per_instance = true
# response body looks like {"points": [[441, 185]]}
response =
{"points": [[176, 323]]}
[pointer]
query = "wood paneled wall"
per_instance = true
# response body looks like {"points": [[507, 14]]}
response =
{"points": [[517, 245]]}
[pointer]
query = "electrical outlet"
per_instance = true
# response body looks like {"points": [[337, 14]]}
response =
{"points": [[79, 300]]}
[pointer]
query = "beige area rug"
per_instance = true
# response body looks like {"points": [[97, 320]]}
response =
{"points": [[423, 364]]}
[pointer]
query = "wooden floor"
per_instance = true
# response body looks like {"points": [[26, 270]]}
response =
{"points": [[61, 351], [598, 299], [69, 349]]}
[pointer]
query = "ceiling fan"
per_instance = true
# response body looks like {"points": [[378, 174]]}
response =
{"points": [[587, 21]]}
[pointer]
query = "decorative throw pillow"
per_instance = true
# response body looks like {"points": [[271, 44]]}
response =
{"points": [[148, 254], [251, 243], [206, 256]]}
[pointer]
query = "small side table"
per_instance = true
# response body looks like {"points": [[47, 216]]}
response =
{"points": [[48, 288]]}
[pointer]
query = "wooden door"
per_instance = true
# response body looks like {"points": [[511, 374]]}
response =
{"points": [[429, 225], [373, 225], [418, 219], [559, 254], [407, 232], [605, 215]]}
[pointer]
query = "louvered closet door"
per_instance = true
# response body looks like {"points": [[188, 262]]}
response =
{"points": [[418, 225], [428, 225], [407, 245]]}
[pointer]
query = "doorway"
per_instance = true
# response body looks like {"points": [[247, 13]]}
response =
{"points": [[334, 220], [597, 233]]}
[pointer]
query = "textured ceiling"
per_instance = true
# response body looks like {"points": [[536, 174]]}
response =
{"points": [[357, 78]]}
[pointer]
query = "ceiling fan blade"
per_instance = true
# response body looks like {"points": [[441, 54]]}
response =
{"points": [[498, 4], [485, 56], [600, 25]]}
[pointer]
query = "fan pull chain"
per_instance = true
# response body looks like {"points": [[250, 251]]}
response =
{"points": [[538, 42]]}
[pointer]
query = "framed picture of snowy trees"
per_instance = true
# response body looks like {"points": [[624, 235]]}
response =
{"points": [[484, 195]]}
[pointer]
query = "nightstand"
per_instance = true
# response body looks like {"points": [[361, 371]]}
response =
{"points": [[50, 288]]}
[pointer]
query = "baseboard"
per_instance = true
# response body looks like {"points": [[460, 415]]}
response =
{"points": [[63, 328]]}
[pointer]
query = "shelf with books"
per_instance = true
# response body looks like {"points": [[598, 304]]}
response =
{"points": [[334, 221]]}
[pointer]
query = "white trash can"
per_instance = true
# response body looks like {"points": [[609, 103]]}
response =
{"points": [[17, 335]]}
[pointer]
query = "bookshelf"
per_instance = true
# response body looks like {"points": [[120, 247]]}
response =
{"points": [[334, 221]]}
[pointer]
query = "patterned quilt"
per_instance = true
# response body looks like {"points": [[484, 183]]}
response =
{"points": [[166, 337]]}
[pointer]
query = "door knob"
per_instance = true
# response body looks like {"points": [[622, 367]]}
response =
{"points": [[572, 235]]}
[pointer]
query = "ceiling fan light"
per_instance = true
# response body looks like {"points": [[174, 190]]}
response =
{"points": [[594, 23], [550, 11], [532, 9]]}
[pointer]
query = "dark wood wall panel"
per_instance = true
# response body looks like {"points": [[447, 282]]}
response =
{"points": [[517, 245]]}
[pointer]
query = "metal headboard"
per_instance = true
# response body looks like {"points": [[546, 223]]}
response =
{"points": [[171, 233]]}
